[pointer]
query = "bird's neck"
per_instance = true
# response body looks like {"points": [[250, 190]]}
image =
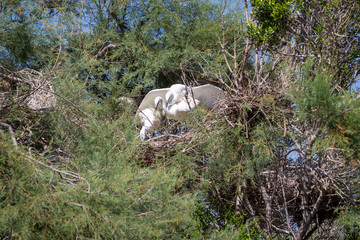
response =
{"points": [[170, 110]]}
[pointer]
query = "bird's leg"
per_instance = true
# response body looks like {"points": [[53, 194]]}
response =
{"points": [[143, 133]]}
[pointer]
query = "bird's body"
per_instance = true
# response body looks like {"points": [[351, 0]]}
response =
{"points": [[176, 93], [151, 112], [179, 100], [150, 119], [207, 95], [181, 108]]}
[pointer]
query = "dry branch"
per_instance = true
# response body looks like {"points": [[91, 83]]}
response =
{"points": [[12, 134], [11, 78], [103, 50], [66, 173], [40, 96]]}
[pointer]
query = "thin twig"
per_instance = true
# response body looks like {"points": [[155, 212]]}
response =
{"points": [[12, 134], [74, 175], [139, 199]]}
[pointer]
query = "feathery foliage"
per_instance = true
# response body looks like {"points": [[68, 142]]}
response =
{"points": [[278, 157]]}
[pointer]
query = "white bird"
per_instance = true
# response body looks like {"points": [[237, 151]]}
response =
{"points": [[149, 121], [208, 95], [151, 111], [186, 98], [149, 99], [180, 108], [179, 100], [176, 93]]}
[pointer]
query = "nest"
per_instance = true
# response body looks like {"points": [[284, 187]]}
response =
{"points": [[179, 137], [156, 147], [41, 96]]}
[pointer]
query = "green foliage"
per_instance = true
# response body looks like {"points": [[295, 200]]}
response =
{"points": [[313, 96], [233, 225], [80, 170], [27, 38], [271, 20], [349, 220], [317, 102], [18, 42], [123, 201]]}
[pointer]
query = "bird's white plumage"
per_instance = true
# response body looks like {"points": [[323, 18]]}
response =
{"points": [[180, 99], [149, 120], [151, 112], [149, 99], [176, 93], [207, 95], [179, 109]]}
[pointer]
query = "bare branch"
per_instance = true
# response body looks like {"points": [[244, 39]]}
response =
{"points": [[12, 134], [57, 59], [71, 174], [144, 195], [11, 78], [103, 50]]}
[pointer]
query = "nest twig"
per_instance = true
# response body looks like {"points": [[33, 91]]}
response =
{"points": [[41, 94]]}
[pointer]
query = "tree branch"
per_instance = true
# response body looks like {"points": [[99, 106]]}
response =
{"points": [[11, 78], [12, 134], [103, 50], [71, 174]]}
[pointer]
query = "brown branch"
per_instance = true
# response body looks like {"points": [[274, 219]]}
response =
{"points": [[120, 23], [12, 134], [246, 10], [103, 50], [139, 199], [309, 234], [268, 203], [145, 213], [11, 78], [280, 230], [74, 175], [275, 64], [317, 204], [57, 59], [285, 204]]}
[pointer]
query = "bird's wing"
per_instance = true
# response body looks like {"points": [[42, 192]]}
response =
{"points": [[149, 99], [208, 94]]}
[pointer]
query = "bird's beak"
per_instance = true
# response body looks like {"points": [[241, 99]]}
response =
{"points": [[169, 100]]}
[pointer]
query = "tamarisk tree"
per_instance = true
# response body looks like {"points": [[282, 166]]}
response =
{"points": [[293, 107]]}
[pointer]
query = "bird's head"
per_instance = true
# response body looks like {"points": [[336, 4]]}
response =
{"points": [[175, 93], [169, 98], [159, 101]]}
